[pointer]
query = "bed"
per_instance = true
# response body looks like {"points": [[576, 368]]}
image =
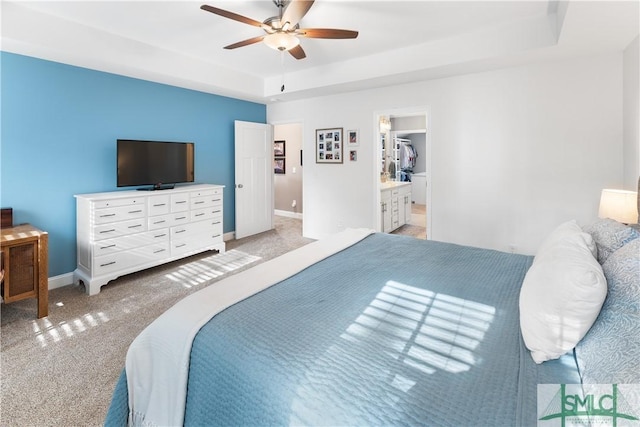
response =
{"points": [[366, 329]]}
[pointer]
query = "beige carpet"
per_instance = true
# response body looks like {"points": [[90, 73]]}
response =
{"points": [[61, 370]]}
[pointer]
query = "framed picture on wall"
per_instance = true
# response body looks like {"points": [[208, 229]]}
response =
{"points": [[278, 148], [329, 145], [279, 166], [352, 138]]}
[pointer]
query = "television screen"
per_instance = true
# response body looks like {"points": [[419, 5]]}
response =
{"points": [[154, 163]]}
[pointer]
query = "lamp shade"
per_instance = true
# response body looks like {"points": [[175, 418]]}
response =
{"points": [[281, 41], [620, 205]]}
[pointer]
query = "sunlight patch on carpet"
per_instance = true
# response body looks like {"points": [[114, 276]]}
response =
{"points": [[213, 267]]}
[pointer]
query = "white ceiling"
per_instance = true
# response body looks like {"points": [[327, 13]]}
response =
{"points": [[175, 42]]}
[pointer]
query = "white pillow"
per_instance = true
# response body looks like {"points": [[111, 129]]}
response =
{"points": [[569, 230], [561, 295]]}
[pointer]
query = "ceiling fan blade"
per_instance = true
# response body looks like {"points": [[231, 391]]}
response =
{"points": [[297, 52], [326, 33], [295, 11], [245, 42], [231, 15]]}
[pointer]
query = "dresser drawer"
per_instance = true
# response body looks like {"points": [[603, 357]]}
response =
{"points": [[206, 192], [110, 246], [126, 259], [182, 231], [202, 214], [112, 203], [192, 244], [202, 202], [206, 213], [196, 228], [180, 202], [107, 231], [211, 228], [159, 205], [118, 213], [169, 220]]}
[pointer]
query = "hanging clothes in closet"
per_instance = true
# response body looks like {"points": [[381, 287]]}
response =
{"points": [[408, 156]]}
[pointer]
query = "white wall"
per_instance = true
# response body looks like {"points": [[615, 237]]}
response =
{"points": [[514, 152], [631, 108]]}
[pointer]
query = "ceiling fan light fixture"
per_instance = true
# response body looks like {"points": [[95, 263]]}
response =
{"points": [[281, 41]]}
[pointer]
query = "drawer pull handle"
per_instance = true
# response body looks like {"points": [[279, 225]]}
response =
{"points": [[180, 202], [218, 211], [200, 214], [216, 222], [159, 204], [216, 200], [108, 231], [216, 235], [158, 251], [138, 211], [181, 245], [159, 235], [108, 246], [199, 203], [108, 263], [159, 222], [107, 215], [135, 226], [180, 231], [181, 217]]}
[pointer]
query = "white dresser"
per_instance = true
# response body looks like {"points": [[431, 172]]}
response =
{"points": [[126, 231]]}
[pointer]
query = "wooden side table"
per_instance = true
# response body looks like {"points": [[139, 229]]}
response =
{"points": [[25, 263]]}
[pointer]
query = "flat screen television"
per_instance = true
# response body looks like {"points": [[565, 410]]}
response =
{"points": [[156, 163]]}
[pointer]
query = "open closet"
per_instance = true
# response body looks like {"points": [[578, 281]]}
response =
{"points": [[403, 174]]}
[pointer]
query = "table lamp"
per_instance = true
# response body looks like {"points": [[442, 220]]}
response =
{"points": [[620, 205]]}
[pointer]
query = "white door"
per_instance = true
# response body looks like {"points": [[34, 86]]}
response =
{"points": [[254, 178]]}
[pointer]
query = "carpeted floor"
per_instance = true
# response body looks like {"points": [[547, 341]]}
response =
{"points": [[61, 370], [417, 227]]}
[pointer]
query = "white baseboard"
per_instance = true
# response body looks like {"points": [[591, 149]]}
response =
{"points": [[229, 236], [60, 280], [288, 214]]}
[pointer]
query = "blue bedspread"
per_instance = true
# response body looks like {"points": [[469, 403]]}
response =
{"points": [[391, 331]]}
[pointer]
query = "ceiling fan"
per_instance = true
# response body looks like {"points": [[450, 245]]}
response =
{"points": [[282, 32]]}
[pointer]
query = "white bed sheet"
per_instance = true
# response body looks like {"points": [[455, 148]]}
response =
{"points": [[157, 364]]}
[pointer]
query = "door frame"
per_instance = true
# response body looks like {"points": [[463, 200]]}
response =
{"points": [[299, 122], [377, 158]]}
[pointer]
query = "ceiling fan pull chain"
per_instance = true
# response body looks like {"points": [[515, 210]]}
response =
{"points": [[282, 63]]}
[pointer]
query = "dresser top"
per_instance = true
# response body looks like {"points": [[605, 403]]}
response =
{"points": [[136, 193], [20, 232]]}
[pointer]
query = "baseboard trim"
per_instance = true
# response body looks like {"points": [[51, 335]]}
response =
{"points": [[288, 214], [229, 236], [60, 280]]}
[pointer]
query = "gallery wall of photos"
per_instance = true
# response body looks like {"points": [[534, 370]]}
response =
{"points": [[331, 142]]}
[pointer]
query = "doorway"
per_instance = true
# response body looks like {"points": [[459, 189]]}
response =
{"points": [[404, 162], [288, 170]]}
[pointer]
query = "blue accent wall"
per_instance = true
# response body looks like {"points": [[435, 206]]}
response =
{"points": [[59, 129]]}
